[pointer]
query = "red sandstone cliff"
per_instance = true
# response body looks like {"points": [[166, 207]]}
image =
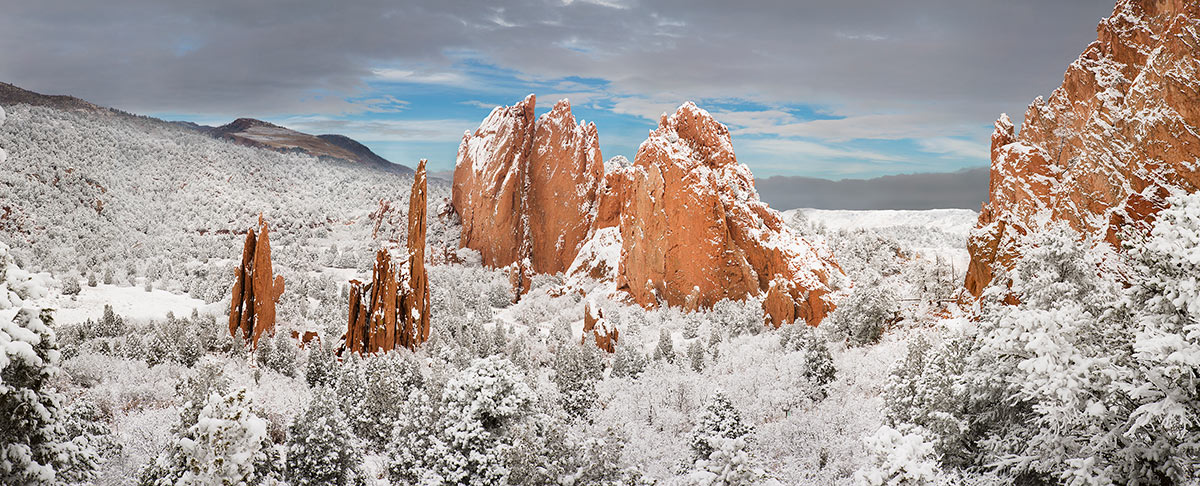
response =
{"points": [[681, 226], [525, 188], [1120, 134], [692, 231]]}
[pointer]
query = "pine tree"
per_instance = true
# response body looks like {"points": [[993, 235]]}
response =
{"points": [[34, 448], [228, 444], [481, 403], [577, 368], [720, 420], [695, 354], [320, 447], [627, 361], [665, 350], [319, 371]]}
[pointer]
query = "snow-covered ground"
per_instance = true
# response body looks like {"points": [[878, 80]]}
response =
{"points": [[132, 303], [931, 233]]}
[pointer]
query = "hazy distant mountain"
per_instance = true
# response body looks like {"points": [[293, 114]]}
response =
{"points": [[245, 131], [258, 133], [965, 189]]}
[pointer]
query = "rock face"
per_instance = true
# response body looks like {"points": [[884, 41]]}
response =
{"points": [[565, 172], [1108, 146], [393, 309], [489, 184], [256, 290], [681, 226], [693, 231], [525, 188]]}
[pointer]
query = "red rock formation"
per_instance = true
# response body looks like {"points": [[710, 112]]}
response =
{"points": [[683, 225], [525, 188], [393, 310], [565, 172], [255, 292], [712, 237], [1108, 146], [603, 333], [490, 184]]}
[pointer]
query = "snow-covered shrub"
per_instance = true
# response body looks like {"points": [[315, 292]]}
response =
{"points": [[320, 447], [111, 324], [1163, 427], [628, 360], [319, 369], [369, 390], [71, 286], [480, 404], [546, 452], [861, 318], [1051, 389], [34, 447], [901, 458], [737, 317], [410, 449], [283, 354], [228, 444]]}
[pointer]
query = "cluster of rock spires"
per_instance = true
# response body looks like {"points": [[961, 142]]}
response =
{"points": [[392, 310], [682, 225], [1109, 145], [256, 290]]}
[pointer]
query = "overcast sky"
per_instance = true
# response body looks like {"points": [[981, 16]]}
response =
{"points": [[830, 89]]}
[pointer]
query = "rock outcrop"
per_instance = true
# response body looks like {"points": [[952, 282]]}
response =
{"points": [[489, 191], [392, 310], [600, 330], [256, 289], [565, 173], [1107, 147], [525, 188], [681, 226], [693, 231]]}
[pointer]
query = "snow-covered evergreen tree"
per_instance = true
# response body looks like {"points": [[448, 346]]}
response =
{"points": [[665, 350], [228, 444], [576, 369], [480, 404], [34, 448], [719, 446], [320, 447]]}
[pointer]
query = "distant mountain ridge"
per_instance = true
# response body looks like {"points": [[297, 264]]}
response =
{"points": [[245, 131]]}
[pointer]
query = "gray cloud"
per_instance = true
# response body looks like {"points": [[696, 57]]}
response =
{"points": [[964, 189], [951, 61]]}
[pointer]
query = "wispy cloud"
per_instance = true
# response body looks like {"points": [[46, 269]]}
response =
{"points": [[441, 78], [956, 147]]}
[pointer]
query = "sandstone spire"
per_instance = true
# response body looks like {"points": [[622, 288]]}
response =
{"points": [[392, 310], [256, 289]]}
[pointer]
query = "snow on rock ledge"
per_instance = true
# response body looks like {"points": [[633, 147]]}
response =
{"points": [[1107, 147]]}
